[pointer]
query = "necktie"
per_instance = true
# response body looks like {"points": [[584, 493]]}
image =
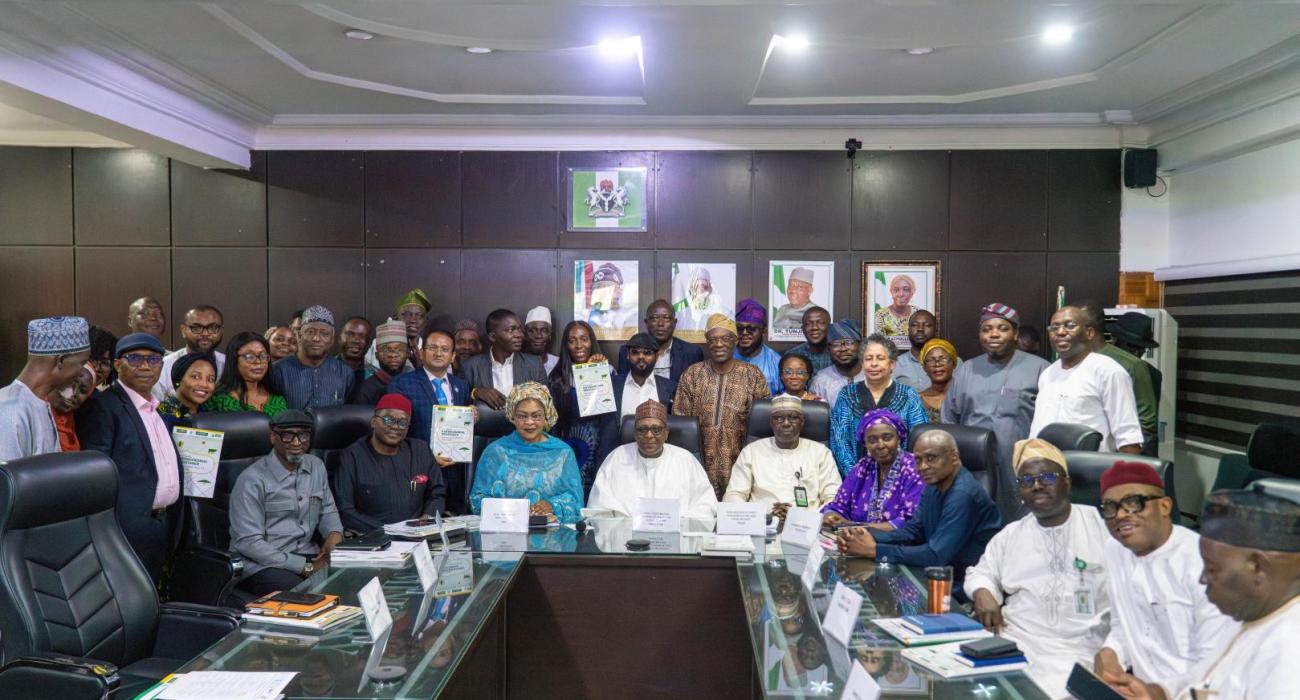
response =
{"points": [[438, 396]]}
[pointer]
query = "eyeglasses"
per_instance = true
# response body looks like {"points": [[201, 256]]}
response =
{"points": [[787, 418], [937, 361], [1046, 479], [530, 417], [391, 349], [390, 422], [1132, 505], [289, 438], [650, 430], [747, 328], [210, 329], [843, 344], [794, 372], [258, 358], [1070, 326], [137, 361], [322, 333]]}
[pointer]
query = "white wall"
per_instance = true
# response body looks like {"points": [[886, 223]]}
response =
{"points": [[1144, 230]]}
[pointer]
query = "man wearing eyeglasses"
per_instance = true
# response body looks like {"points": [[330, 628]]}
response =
{"points": [[201, 330], [280, 504], [1042, 581], [651, 468], [786, 469], [1162, 624], [123, 423], [388, 476], [751, 331], [845, 343]]}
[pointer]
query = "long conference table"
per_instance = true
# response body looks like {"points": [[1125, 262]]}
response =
{"points": [[563, 614]]}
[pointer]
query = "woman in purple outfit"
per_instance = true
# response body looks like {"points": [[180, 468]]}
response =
{"points": [[883, 489]]}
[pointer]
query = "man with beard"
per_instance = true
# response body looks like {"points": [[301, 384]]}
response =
{"points": [[751, 329], [538, 334], [313, 378], [56, 349], [638, 385], [146, 315], [494, 373], [846, 360], [1086, 387], [201, 331], [674, 356], [388, 476], [390, 351], [279, 504], [650, 468], [354, 343], [816, 323], [997, 391], [910, 368]]}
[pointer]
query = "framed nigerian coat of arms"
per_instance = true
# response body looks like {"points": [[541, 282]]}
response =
{"points": [[607, 198]]}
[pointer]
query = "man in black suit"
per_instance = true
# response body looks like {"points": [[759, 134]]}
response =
{"points": [[674, 355], [123, 423], [493, 374], [638, 385]]}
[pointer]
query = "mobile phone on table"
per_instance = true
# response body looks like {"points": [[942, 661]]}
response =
{"points": [[293, 598], [1086, 685]]}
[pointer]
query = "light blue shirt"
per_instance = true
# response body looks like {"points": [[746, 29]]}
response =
{"points": [[768, 361]]}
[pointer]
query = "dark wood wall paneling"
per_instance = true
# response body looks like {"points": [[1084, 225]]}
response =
{"points": [[92, 229]]}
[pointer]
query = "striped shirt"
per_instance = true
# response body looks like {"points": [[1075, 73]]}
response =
{"points": [[306, 387]]}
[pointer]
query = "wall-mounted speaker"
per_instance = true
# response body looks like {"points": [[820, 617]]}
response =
{"points": [[1139, 167]]}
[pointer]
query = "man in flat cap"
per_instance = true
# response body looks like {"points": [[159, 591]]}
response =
{"points": [[799, 291], [651, 468], [636, 386], [751, 331], [1250, 543], [539, 332], [313, 378], [784, 470], [997, 391], [1131, 337], [845, 343], [1042, 581], [1162, 624], [56, 349], [280, 503], [674, 356]]}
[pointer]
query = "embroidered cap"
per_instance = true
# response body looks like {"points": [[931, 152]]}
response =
{"points": [[59, 335], [318, 314]]}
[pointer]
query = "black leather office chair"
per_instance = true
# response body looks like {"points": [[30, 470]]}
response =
{"points": [[492, 425], [1086, 467], [1071, 436], [204, 570], [816, 421], [978, 448], [72, 584], [337, 427], [683, 431], [1272, 448]]}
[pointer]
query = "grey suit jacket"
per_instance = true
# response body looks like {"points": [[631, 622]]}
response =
{"points": [[477, 370]]}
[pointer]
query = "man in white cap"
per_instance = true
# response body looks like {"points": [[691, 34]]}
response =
{"points": [[56, 350], [786, 469], [539, 331], [798, 290]]}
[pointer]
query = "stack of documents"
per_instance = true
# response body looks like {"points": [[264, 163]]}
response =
{"points": [[948, 661], [425, 528], [916, 630], [332, 617], [395, 556], [221, 685], [727, 546]]}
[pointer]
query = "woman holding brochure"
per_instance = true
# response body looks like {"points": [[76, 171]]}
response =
{"points": [[195, 376], [578, 347], [529, 463]]}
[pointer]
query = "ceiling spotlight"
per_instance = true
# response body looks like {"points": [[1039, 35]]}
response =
{"points": [[478, 49], [358, 34], [795, 43], [1058, 34], [920, 51], [618, 48]]}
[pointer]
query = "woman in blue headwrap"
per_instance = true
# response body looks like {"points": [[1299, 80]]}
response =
{"points": [[883, 488]]}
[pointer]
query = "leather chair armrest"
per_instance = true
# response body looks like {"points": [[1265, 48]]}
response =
{"points": [[58, 676], [185, 630], [204, 575]]}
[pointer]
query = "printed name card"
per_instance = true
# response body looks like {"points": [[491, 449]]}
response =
{"points": [[860, 686], [378, 618], [801, 527], [812, 568], [842, 613], [742, 519], [504, 515], [425, 568], [656, 515]]}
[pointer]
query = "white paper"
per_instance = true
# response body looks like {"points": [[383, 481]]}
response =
{"points": [[801, 527], [452, 433], [842, 613], [227, 685], [199, 452], [456, 575], [860, 685], [742, 519], [656, 515], [378, 617], [425, 568], [812, 567], [594, 388], [504, 515]]}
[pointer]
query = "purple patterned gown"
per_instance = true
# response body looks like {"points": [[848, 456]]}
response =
{"points": [[860, 501]]}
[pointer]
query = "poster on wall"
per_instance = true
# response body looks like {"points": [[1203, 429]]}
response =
{"points": [[607, 198], [700, 290], [893, 290], [605, 295], [793, 287]]}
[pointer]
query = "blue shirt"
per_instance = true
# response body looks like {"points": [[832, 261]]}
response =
{"points": [[848, 408], [768, 361], [820, 360], [306, 387], [949, 528]]}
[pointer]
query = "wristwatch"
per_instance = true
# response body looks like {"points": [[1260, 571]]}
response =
{"points": [[308, 568]]}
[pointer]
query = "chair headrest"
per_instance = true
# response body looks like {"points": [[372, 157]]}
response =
{"points": [[340, 426], [492, 423], [54, 488], [1071, 436], [248, 433], [1272, 449], [978, 446], [816, 420]]}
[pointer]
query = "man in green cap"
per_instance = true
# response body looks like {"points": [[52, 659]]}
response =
{"points": [[413, 308]]}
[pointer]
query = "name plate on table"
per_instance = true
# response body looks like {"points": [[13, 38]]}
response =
{"points": [[801, 527], [842, 613], [656, 515], [378, 617], [860, 685], [812, 568], [742, 519], [504, 515], [424, 567]]}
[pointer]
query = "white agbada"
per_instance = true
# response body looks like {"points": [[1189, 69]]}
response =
{"points": [[1259, 663], [1097, 393], [1162, 624], [625, 476], [1032, 571], [765, 473]]}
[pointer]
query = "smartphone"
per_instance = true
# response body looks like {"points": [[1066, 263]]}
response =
{"points": [[1086, 685], [297, 598]]}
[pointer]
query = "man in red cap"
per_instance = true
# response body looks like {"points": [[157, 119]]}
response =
{"points": [[387, 477], [1162, 623]]}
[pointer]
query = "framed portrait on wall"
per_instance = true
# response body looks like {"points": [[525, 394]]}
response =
{"points": [[700, 290], [607, 199], [605, 295], [893, 290], [793, 287]]}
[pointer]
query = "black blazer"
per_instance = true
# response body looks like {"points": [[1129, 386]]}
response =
{"points": [[477, 370], [681, 355], [609, 429], [110, 424]]}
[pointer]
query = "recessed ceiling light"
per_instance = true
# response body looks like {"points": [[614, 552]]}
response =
{"points": [[920, 51], [795, 43], [618, 48], [358, 34], [1058, 34], [478, 49]]}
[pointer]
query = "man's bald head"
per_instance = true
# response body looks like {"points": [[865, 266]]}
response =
{"points": [[938, 438], [937, 459]]}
